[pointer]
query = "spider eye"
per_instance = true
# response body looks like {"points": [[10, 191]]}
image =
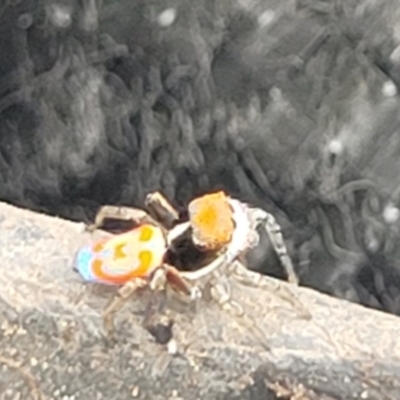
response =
{"points": [[211, 218]]}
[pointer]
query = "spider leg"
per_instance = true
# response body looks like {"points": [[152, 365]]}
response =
{"points": [[117, 302], [136, 215], [177, 231], [177, 280], [218, 263], [253, 279], [221, 293], [155, 321], [158, 280], [275, 236], [161, 210]]}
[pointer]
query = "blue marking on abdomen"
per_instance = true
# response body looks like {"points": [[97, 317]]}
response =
{"points": [[83, 264]]}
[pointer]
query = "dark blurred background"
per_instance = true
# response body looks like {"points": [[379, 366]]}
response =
{"points": [[290, 105]]}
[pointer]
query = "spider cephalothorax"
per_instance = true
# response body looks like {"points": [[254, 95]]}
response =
{"points": [[229, 227]]}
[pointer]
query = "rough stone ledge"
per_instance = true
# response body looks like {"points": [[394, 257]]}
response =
{"points": [[52, 341]]}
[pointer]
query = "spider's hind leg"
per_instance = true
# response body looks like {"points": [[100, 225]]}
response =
{"points": [[280, 289], [124, 293], [221, 292], [129, 214]]}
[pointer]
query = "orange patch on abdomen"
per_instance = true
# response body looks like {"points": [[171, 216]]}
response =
{"points": [[99, 246]]}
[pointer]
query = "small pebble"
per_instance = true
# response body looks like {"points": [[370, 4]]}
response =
{"points": [[335, 146], [59, 16], [172, 347], [33, 362], [364, 394], [167, 17], [266, 18], [391, 214], [389, 89], [135, 391]]}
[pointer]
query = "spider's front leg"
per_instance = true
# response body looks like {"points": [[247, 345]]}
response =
{"points": [[161, 209], [124, 293], [275, 236], [135, 215]]}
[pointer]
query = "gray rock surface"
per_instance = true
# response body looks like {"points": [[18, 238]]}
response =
{"points": [[52, 343]]}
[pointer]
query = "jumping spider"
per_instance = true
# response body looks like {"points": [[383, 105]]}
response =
{"points": [[163, 249]]}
